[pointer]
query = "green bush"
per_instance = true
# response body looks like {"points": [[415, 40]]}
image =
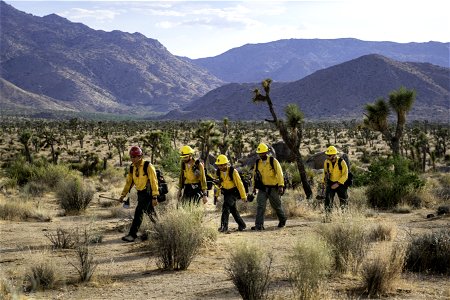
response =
{"points": [[392, 182], [249, 269], [308, 267], [429, 253], [73, 194]]}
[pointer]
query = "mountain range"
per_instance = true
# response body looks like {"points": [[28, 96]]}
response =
{"points": [[51, 64], [337, 92]]}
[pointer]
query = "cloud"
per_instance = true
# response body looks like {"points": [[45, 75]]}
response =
{"points": [[101, 15]]}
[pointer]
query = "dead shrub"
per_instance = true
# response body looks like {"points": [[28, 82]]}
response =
{"points": [[15, 210], [381, 232], [349, 244], [249, 268], [62, 239], [429, 253], [42, 274], [380, 275]]}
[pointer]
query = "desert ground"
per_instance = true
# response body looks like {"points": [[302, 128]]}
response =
{"points": [[129, 270]]}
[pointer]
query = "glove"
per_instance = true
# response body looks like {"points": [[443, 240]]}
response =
{"points": [[154, 201], [250, 197], [281, 190]]}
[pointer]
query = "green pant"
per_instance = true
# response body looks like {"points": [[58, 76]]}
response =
{"points": [[275, 202]]}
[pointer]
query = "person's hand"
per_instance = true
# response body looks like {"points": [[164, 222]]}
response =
{"points": [[244, 199], [280, 190], [121, 198], [154, 201], [205, 199], [334, 185]]}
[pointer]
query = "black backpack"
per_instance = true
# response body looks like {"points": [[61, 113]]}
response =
{"points": [[245, 180], [349, 181], [258, 174], [162, 184]]}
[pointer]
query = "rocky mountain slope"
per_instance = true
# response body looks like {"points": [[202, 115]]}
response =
{"points": [[341, 91], [293, 59], [105, 71]]}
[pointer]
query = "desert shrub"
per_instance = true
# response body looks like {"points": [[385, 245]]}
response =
{"points": [[380, 275], [171, 163], [381, 232], [249, 268], [21, 170], [42, 274], [308, 266], [349, 244], [85, 264], [429, 252], [62, 239], [7, 289], [177, 237], [49, 175], [111, 175], [391, 182], [73, 194]]}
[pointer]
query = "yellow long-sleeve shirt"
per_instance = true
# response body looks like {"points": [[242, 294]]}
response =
{"points": [[139, 179], [336, 175], [191, 176], [229, 183], [270, 176]]}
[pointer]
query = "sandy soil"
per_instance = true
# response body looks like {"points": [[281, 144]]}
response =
{"points": [[129, 271]]}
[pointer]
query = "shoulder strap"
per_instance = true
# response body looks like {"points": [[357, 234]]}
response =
{"points": [[256, 164], [340, 163], [271, 162], [231, 172], [218, 173], [146, 163], [131, 168]]}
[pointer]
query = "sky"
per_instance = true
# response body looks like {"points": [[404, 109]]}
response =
{"points": [[198, 29]]}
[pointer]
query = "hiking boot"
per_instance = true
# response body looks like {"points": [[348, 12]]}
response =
{"points": [[282, 223], [258, 227], [128, 238], [242, 228], [223, 229]]}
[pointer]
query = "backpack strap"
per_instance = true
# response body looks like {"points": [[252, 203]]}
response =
{"points": [[340, 163], [271, 162], [231, 172], [146, 164]]}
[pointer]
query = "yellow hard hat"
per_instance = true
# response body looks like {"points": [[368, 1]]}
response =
{"points": [[186, 150], [221, 160], [262, 148], [331, 151]]}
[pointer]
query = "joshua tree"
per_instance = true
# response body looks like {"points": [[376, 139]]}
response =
{"points": [[24, 138], [401, 101], [208, 138], [291, 132]]}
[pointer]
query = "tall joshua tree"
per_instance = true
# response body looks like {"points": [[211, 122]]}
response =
{"points": [[401, 101], [291, 131]]}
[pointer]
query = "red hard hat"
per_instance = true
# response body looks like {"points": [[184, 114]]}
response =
{"points": [[135, 151]]}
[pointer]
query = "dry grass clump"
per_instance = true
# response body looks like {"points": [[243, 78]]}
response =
{"points": [[8, 291], [381, 274], [177, 237], [16, 210], [73, 194], [348, 240], [42, 273], [249, 269], [381, 232], [308, 266], [429, 253]]}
